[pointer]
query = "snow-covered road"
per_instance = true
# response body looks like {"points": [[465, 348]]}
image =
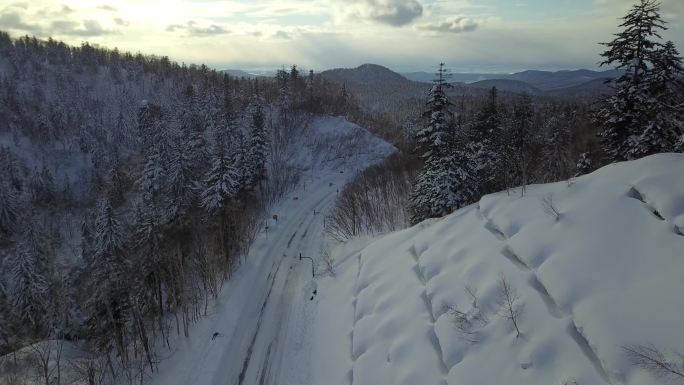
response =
{"points": [[264, 315], [263, 312]]}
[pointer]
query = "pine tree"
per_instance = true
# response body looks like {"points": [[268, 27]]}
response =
{"points": [[30, 272], [220, 182], [485, 134], [9, 210], [635, 121], [556, 144], [520, 139], [153, 175], [258, 148], [584, 165], [7, 334], [445, 182], [107, 304]]}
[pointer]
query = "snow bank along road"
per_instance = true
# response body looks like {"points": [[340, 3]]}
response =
{"points": [[264, 313]]}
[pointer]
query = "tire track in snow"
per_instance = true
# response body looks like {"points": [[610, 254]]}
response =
{"points": [[278, 309], [245, 363]]}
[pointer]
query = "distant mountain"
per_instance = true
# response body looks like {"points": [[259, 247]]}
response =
{"points": [[426, 77], [508, 85], [546, 80], [542, 81], [366, 74], [239, 74], [591, 88]]}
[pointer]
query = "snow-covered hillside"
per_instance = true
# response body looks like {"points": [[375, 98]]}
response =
{"points": [[258, 330], [421, 306]]}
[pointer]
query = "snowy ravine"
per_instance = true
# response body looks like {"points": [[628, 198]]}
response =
{"points": [[259, 329]]}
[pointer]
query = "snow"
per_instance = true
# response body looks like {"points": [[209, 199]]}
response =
{"points": [[605, 275], [265, 312]]}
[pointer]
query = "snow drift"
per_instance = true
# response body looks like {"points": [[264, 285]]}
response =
{"points": [[596, 264]]}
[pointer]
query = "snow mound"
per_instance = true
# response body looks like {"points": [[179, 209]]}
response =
{"points": [[602, 273]]}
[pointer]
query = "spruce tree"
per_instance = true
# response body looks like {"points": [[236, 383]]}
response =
{"points": [[445, 182], [485, 134], [636, 120], [258, 147], [30, 270], [9, 210], [220, 182], [107, 304]]}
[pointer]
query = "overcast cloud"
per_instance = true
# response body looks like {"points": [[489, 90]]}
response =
{"points": [[406, 35]]}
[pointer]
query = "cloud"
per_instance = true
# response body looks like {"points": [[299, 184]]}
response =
{"points": [[106, 8], [88, 28], [391, 12], [120, 21], [12, 20], [282, 35], [194, 29], [456, 24]]}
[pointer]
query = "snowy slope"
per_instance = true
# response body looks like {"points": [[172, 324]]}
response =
{"points": [[607, 273], [264, 312]]}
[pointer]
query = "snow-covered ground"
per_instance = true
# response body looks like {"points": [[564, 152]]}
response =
{"points": [[420, 306], [265, 313]]}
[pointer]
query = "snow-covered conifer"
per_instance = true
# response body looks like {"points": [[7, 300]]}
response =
{"points": [[636, 120], [220, 182]]}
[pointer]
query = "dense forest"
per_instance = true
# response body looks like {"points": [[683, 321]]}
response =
{"points": [[131, 187]]}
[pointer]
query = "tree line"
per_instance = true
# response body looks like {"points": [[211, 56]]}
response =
{"points": [[502, 146]]}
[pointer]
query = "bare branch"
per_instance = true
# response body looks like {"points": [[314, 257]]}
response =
{"points": [[550, 208], [510, 307], [652, 360]]}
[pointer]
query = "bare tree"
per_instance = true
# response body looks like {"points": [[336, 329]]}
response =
{"points": [[653, 360], [467, 322], [329, 262], [510, 307], [550, 207], [47, 356]]}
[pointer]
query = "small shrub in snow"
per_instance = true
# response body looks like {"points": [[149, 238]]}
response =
{"points": [[652, 360], [467, 321], [510, 307], [550, 208], [329, 263]]}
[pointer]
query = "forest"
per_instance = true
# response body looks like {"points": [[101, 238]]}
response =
{"points": [[132, 187]]}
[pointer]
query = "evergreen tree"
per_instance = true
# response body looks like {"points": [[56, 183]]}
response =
{"points": [[220, 182], [258, 147], [31, 280], [635, 120], [556, 144], [584, 165], [9, 210], [44, 190], [520, 138], [445, 182], [485, 134], [107, 304]]}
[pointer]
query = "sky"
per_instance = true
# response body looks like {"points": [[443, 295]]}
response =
{"points": [[405, 35]]}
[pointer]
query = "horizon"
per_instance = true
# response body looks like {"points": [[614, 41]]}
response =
{"points": [[470, 36]]}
